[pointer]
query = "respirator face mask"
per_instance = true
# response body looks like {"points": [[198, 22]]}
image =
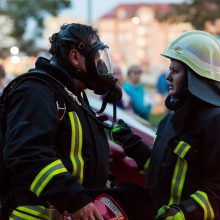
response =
{"points": [[99, 68], [104, 64], [99, 71], [99, 77]]}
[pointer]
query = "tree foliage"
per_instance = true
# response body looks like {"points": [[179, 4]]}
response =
{"points": [[196, 12], [22, 11]]}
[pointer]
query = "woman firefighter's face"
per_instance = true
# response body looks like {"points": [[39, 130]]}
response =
{"points": [[176, 77]]}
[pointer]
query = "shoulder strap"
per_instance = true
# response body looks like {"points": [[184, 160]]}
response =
{"points": [[54, 84]]}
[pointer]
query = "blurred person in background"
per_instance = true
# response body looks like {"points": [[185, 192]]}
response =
{"points": [[125, 102], [162, 84], [3, 82], [161, 93], [182, 172], [140, 101]]}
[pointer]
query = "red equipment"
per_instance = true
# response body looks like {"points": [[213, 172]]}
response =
{"points": [[107, 207]]}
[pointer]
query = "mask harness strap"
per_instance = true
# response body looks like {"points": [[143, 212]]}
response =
{"points": [[103, 107]]}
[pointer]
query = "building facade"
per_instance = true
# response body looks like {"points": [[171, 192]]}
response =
{"points": [[136, 36]]}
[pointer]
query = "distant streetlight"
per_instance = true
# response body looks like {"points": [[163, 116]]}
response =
{"points": [[135, 20], [14, 50], [15, 59]]}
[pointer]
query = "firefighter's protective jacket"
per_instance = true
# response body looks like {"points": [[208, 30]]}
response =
{"points": [[51, 160], [183, 168]]}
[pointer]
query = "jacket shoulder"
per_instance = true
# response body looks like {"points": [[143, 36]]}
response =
{"points": [[166, 122], [29, 85]]}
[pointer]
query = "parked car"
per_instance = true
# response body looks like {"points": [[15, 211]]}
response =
{"points": [[123, 168]]}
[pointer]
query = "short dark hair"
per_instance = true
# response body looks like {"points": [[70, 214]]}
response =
{"points": [[82, 33]]}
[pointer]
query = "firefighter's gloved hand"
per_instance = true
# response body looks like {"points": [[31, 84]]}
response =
{"points": [[123, 135], [170, 213]]}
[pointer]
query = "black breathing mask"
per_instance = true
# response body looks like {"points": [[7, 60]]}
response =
{"points": [[101, 78], [99, 71]]}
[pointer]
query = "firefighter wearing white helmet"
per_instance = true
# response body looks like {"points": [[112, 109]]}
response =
{"points": [[200, 52], [182, 169]]}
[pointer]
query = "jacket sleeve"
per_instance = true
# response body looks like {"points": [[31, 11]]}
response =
{"points": [[204, 203], [139, 151], [28, 150]]}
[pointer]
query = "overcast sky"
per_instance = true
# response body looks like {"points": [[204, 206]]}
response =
{"points": [[100, 7]]}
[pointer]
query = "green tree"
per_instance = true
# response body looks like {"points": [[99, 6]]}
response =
{"points": [[196, 12], [22, 11]]}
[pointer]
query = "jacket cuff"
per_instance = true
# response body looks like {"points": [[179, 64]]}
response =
{"points": [[80, 201], [191, 210], [138, 151]]}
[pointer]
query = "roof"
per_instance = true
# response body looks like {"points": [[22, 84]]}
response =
{"points": [[132, 8]]}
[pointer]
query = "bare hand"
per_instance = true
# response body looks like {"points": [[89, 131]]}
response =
{"points": [[88, 212]]}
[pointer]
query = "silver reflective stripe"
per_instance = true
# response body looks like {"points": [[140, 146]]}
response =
{"points": [[179, 174], [203, 200], [39, 211], [178, 181], [181, 149], [30, 213], [76, 146], [76, 149], [45, 175]]}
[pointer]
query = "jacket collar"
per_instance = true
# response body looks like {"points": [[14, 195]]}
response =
{"points": [[56, 71]]}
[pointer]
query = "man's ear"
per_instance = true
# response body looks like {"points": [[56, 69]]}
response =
{"points": [[74, 57]]}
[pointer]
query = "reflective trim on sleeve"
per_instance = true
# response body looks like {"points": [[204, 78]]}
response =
{"points": [[30, 213], [203, 200], [76, 146], [181, 149], [45, 175], [179, 174]]}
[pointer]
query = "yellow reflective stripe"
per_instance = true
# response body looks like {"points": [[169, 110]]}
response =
{"points": [[21, 216], [72, 150], [39, 211], [203, 200], [178, 146], [76, 146], [181, 149], [182, 178], [45, 175], [178, 181], [80, 150], [146, 165], [187, 147], [179, 174]]}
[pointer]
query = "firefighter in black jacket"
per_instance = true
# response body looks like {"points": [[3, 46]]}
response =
{"points": [[53, 149], [182, 173]]}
